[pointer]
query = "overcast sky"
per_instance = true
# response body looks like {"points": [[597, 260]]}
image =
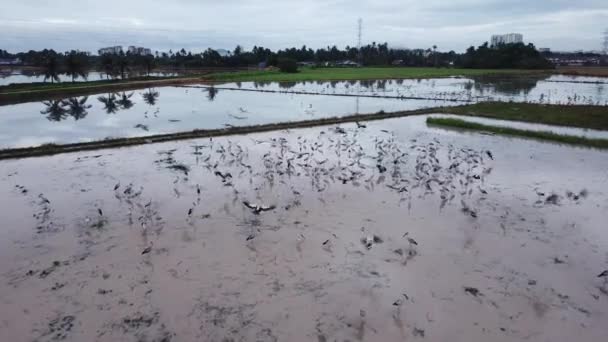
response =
{"points": [[199, 24]]}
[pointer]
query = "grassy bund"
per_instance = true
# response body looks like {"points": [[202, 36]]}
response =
{"points": [[541, 135]]}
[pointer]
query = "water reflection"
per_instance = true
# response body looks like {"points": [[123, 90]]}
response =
{"points": [[212, 93], [508, 85], [125, 101], [54, 110], [110, 104], [77, 108], [150, 97], [9, 76]]}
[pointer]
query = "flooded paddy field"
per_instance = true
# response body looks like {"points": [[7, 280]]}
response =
{"points": [[171, 110], [382, 231], [555, 89], [9, 76], [177, 109]]}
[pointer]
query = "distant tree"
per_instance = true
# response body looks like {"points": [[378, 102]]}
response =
{"points": [[288, 65], [122, 62], [148, 62], [76, 108], [107, 65], [51, 68], [76, 64], [503, 56], [54, 110]]}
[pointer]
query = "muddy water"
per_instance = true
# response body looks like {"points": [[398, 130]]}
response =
{"points": [[386, 233]]}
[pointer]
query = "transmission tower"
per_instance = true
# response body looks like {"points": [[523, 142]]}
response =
{"points": [[359, 35], [606, 42]]}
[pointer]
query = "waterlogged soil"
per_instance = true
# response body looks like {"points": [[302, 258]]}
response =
{"points": [[369, 232]]}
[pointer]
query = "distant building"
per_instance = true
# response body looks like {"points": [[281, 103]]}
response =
{"points": [[136, 50], [510, 38], [113, 50]]}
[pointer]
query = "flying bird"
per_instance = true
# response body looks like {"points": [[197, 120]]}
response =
{"points": [[257, 208], [100, 212], [147, 250], [603, 274], [490, 155]]}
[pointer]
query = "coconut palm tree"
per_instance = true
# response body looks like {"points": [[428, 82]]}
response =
{"points": [[76, 108], [150, 97], [76, 64], [51, 68], [54, 110], [110, 103]]}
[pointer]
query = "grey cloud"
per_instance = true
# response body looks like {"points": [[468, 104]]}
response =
{"points": [[198, 24]]}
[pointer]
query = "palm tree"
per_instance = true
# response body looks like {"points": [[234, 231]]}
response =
{"points": [[148, 62], [77, 108], [51, 68], [435, 54], [122, 64], [54, 110], [107, 64], [150, 97], [125, 101], [110, 103], [76, 64]]}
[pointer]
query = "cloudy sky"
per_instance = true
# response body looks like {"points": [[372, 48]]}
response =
{"points": [[198, 24]]}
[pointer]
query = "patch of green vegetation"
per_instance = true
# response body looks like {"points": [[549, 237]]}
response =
{"points": [[367, 73], [593, 117], [541, 135]]}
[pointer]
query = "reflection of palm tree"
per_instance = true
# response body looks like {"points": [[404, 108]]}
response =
{"points": [[125, 101], [54, 110], [211, 93], [110, 104], [77, 108], [150, 97]]}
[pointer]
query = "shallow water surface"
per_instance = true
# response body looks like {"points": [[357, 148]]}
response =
{"points": [[388, 232], [170, 110]]}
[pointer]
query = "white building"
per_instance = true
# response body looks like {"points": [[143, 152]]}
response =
{"points": [[113, 50], [136, 50], [509, 38]]}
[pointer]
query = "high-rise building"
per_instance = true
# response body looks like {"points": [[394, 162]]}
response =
{"points": [[113, 50], [509, 38], [135, 50]]}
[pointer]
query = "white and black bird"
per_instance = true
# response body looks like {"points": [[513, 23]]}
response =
{"points": [[258, 208], [147, 250]]}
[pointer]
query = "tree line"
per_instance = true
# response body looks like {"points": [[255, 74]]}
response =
{"points": [[77, 63]]}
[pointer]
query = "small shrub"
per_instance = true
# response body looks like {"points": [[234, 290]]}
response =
{"points": [[288, 65]]}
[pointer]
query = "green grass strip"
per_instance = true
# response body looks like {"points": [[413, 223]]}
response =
{"points": [[541, 135], [581, 116], [365, 73]]}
